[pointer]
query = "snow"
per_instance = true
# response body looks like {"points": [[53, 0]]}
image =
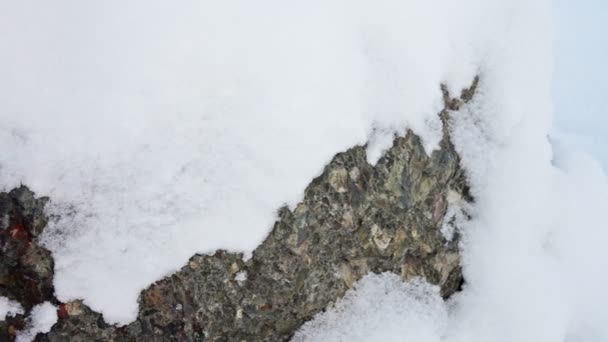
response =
{"points": [[381, 308], [41, 320], [579, 89], [161, 130], [157, 141], [455, 215], [9, 308], [535, 249], [241, 276]]}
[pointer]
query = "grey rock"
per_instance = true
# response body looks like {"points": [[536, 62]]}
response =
{"points": [[26, 268], [355, 218]]}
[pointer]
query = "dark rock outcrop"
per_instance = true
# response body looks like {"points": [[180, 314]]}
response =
{"points": [[355, 218], [26, 268]]}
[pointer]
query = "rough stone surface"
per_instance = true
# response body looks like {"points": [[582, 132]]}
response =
{"points": [[355, 218], [26, 268]]}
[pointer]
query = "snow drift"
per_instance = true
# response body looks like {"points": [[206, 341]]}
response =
{"points": [[161, 130]]}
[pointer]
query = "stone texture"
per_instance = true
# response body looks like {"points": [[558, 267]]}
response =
{"points": [[355, 218], [26, 268]]}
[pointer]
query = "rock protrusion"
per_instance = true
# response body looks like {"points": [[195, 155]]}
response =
{"points": [[355, 218], [26, 268]]}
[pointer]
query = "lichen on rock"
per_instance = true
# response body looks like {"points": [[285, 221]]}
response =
{"points": [[355, 218], [26, 268]]}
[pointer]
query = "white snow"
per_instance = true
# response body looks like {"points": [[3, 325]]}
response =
{"points": [[9, 308], [535, 249], [381, 308], [241, 276], [160, 130], [41, 320], [579, 87]]}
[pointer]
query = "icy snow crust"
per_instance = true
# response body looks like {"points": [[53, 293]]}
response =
{"points": [[161, 130]]}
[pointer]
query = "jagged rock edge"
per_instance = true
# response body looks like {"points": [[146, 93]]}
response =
{"points": [[75, 312]]}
